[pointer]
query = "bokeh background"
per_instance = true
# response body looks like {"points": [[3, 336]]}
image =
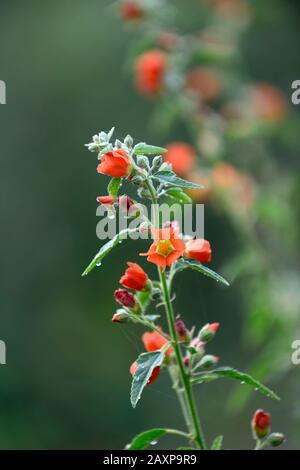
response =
{"points": [[66, 382]]}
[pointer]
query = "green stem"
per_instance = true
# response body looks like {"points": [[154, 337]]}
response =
{"points": [[185, 379], [181, 397], [199, 438]]}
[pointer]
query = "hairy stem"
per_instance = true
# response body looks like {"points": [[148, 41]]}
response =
{"points": [[198, 437], [185, 379]]}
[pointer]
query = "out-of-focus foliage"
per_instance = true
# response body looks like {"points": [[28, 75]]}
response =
{"points": [[63, 63], [239, 126]]}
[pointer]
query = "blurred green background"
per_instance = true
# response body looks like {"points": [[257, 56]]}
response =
{"points": [[66, 382]]}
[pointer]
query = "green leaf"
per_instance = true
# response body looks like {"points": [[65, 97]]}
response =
{"points": [[179, 195], [105, 249], [170, 178], [146, 364], [114, 186], [145, 149], [193, 264], [205, 378], [143, 440], [243, 378], [217, 443]]}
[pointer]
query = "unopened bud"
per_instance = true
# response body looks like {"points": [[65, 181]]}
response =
{"points": [[118, 144], [143, 162], [137, 180], [197, 347], [276, 439], [181, 330], [165, 167], [156, 162], [207, 333], [261, 423], [128, 141], [125, 203], [120, 317], [125, 298], [186, 361], [208, 361]]}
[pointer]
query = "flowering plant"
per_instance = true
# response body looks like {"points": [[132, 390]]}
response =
{"points": [[180, 351]]}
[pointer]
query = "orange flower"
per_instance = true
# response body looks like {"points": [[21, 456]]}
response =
{"points": [[153, 341], [198, 249], [204, 83], [182, 157], [155, 372], [134, 278], [106, 200], [268, 102], [166, 248], [131, 11], [115, 164], [150, 69]]}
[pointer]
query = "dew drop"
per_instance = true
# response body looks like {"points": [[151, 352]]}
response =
{"points": [[153, 443], [242, 383], [99, 264]]}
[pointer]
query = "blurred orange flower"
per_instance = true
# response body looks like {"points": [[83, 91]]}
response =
{"points": [[150, 68], [268, 102], [204, 83], [182, 157], [131, 11]]}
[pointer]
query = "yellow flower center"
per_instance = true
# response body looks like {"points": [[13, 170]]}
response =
{"points": [[164, 248]]}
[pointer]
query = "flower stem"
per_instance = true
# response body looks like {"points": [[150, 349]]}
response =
{"points": [[185, 379], [199, 438]]}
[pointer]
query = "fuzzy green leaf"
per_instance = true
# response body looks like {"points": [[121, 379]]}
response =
{"points": [[179, 195], [203, 378], [105, 249], [145, 439], [217, 443], [170, 178], [193, 264], [114, 186], [146, 364], [241, 377], [145, 149]]}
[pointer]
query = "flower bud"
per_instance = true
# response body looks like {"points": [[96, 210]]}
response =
{"points": [[276, 439], [208, 361], [261, 423], [181, 330], [125, 298], [125, 202], [137, 180], [186, 361], [156, 162], [197, 347], [143, 162], [165, 167], [207, 333], [128, 141], [105, 200], [120, 317]]}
